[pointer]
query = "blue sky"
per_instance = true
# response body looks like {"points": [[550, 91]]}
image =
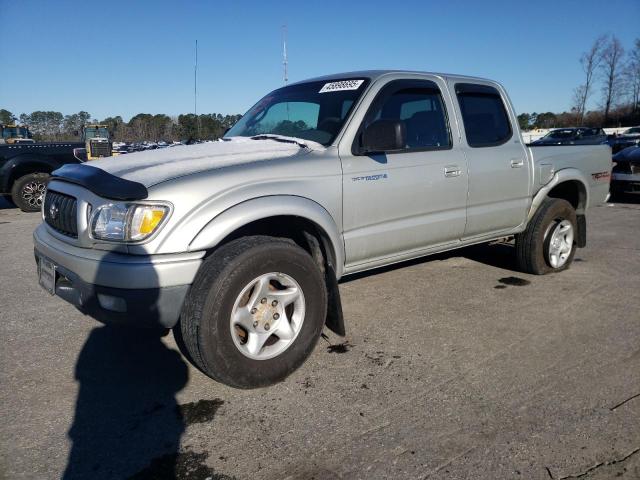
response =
{"points": [[127, 57]]}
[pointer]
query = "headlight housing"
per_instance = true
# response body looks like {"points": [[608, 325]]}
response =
{"points": [[127, 222]]}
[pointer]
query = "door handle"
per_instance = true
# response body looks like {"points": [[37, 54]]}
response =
{"points": [[452, 171], [517, 162]]}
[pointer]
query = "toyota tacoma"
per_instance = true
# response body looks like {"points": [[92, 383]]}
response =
{"points": [[239, 245]]}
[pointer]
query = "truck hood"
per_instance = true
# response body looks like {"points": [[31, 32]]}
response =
{"points": [[156, 166], [629, 154]]}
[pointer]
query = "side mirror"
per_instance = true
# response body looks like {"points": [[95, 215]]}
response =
{"points": [[384, 136]]}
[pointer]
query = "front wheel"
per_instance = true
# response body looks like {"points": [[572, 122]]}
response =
{"points": [[28, 191], [254, 312], [549, 242]]}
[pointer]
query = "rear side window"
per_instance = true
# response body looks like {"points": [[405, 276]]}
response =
{"points": [[485, 118]]}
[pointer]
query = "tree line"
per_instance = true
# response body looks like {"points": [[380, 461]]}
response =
{"points": [[54, 126], [614, 73]]}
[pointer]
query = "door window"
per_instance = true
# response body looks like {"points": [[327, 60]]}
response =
{"points": [[485, 118], [421, 110]]}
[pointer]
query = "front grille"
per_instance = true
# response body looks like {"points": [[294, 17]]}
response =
{"points": [[100, 149], [60, 213]]}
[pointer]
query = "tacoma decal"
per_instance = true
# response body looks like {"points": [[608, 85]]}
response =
{"points": [[370, 178]]}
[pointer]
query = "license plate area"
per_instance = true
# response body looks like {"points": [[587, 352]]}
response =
{"points": [[47, 275]]}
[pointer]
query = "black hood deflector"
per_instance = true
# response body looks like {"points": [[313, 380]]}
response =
{"points": [[100, 182]]}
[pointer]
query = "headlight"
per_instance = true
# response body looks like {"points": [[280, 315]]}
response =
{"points": [[127, 222]]}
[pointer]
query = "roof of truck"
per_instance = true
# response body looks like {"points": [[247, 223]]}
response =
{"points": [[374, 74]]}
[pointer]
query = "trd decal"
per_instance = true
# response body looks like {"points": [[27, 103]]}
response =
{"points": [[370, 178], [601, 175]]}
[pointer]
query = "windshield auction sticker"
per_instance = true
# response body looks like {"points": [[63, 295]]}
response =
{"points": [[343, 85]]}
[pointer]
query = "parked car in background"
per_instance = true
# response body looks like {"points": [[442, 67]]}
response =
{"points": [[625, 176], [628, 138], [573, 136]]}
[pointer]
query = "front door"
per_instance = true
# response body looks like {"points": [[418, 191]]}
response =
{"points": [[407, 200]]}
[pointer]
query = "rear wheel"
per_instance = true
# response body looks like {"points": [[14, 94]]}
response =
{"points": [[254, 312], [549, 242], [28, 191]]}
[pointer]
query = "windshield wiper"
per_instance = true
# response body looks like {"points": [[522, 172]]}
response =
{"points": [[279, 138]]}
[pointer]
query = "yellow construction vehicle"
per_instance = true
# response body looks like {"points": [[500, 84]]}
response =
{"points": [[10, 134], [97, 141]]}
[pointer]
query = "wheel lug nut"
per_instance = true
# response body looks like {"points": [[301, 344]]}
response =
{"points": [[276, 316], [267, 326], [253, 311], [274, 303], [264, 300], [255, 324]]}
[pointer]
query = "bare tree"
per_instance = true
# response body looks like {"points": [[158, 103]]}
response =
{"points": [[632, 76], [611, 68], [590, 60]]}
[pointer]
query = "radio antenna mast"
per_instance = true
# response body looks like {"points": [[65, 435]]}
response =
{"points": [[195, 83], [195, 92], [285, 62]]}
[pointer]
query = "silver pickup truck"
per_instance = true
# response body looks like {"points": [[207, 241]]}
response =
{"points": [[238, 245]]}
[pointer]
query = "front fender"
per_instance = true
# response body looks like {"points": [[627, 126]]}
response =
{"points": [[564, 175], [263, 207]]}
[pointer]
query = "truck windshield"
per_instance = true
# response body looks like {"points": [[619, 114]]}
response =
{"points": [[561, 134], [312, 111], [15, 132], [96, 132]]}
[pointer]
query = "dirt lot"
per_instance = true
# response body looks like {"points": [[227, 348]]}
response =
{"points": [[457, 366]]}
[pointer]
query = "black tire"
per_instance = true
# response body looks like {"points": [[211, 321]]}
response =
{"points": [[205, 331], [616, 193], [27, 191], [532, 245]]}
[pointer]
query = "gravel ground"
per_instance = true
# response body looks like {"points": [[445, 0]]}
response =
{"points": [[456, 366]]}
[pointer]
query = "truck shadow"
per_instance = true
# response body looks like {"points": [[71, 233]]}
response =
{"points": [[126, 411], [499, 255]]}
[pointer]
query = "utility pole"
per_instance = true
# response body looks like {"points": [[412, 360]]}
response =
{"points": [[195, 83], [195, 92], [285, 62]]}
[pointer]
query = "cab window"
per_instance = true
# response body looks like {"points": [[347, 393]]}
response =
{"points": [[421, 110], [485, 118]]}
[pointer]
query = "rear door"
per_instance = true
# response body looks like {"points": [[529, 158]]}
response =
{"points": [[499, 169]]}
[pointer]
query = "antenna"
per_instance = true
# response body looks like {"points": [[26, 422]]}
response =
{"points": [[195, 83], [285, 62]]}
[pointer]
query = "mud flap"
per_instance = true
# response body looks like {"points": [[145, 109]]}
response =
{"points": [[581, 241], [335, 318]]}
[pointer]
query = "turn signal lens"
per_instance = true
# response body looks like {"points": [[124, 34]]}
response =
{"points": [[145, 220]]}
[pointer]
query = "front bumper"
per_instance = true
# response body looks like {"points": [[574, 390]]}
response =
{"points": [[116, 288]]}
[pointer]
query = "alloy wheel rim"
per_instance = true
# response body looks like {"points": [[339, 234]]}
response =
{"points": [[33, 193], [267, 316], [560, 243]]}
